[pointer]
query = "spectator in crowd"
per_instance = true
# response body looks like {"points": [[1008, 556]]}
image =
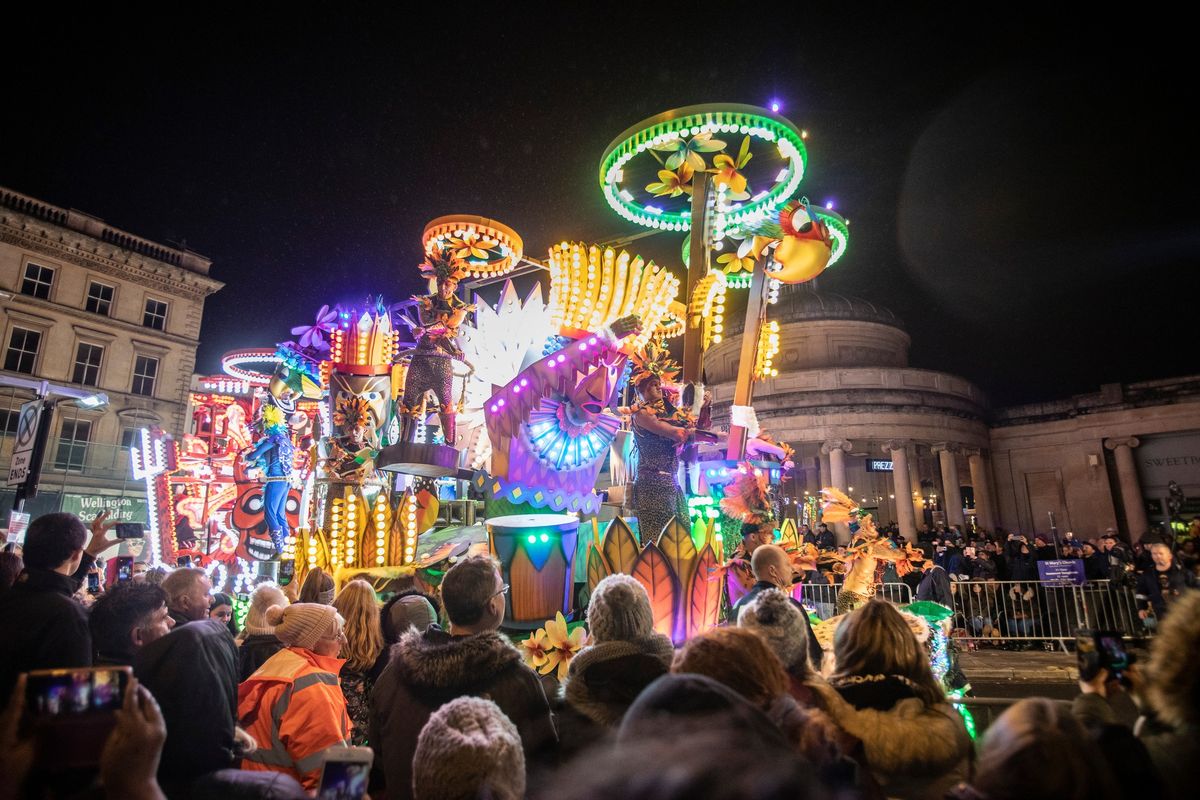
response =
{"points": [[427, 670], [220, 608], [883, 692], [1021, 560], [469, 749], [359, 607], [187, 591], [825, 538], [317, 587], [1095, 564], [772, 569], [623, 656], [156, 575], [1043, 550], [980, 566], [935, 584], [781, 624], [407, 610], [40, 624], [292, 705], [10, 567], [1172, 694], [740, 659], [258, 640], [1159, 586], [1036, 750], [140, 568], [128, 617]]}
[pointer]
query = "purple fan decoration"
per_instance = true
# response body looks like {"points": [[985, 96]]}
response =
{"points": [[316, 336]]}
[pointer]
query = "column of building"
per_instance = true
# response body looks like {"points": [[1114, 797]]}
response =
{"points": [[914, 482], [1136, 522], [985, 512], [898, 452], [836, 450], [952, 501]]}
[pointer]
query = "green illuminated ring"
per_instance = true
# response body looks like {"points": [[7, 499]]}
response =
{"points": [[839, 229], [753, 121]]}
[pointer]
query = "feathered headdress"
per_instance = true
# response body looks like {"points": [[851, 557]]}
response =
{"points": [[746, 497], [836, 506], [442, 265], [654, 360]]}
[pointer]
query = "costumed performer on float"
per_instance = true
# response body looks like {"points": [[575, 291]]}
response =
{"points": [[866, 552], [439, 316], [659, 430], [275, 456]]}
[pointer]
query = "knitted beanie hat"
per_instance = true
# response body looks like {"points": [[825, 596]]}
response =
{"points": [[773, 616], [467, 749], [737, 658], [304, 624], [619, 610], [412, 611], [264, 596]]}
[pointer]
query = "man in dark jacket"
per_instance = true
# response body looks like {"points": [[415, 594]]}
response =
{"points": [[1159, 587], [773, 570], [41, 624], [126, 619], [935, 585], [428, 670], [192, 672]]}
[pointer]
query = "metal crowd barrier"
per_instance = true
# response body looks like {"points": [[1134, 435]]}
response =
{"points": [[1036, 611], [823, 596]]}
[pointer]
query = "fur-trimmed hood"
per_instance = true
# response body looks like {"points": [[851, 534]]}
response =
{"points": [[606, 677], [913, 751], [436, 664]]}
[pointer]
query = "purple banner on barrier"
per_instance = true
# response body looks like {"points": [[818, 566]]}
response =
{"points": [[1067, 570]]}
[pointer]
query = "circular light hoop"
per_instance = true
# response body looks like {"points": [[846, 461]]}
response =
{"points": [[234, 364], [839, 229], [458, 230], [757, 123]]}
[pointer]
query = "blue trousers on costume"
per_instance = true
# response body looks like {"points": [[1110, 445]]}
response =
{"points": [[275, 494]]}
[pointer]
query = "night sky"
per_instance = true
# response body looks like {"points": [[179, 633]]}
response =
{"points": [[1021, 189]]}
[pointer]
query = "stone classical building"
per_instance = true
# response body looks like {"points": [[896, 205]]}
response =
{"points": [[922, 446], [87, 305]]}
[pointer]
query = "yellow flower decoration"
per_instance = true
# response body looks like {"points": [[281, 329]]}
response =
{"points": [[534, 649], [687, 151], [472, 246], [726, 172], [565, 645], [673, 183], [733, 263]]}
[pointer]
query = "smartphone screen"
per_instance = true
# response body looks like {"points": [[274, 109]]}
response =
{"points": [[1114, 653], [93, 582], [130, 530], [124, 569], [70, 713], [344, 780]]}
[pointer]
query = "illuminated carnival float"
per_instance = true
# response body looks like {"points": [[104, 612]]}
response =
{"points": [[369, 445]]}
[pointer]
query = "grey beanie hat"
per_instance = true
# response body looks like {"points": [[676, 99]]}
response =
{"points": [[412, 611], [468, 748], [775, 617], [619, 610]]}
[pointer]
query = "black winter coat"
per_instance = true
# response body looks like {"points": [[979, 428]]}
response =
{"points": [[42, 626], [254, 651], [428, 670]]}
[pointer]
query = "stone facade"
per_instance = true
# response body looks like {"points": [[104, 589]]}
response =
{"points": [[89, 305], [846, 399]]}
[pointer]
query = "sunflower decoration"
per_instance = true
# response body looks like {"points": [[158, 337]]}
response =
{"points": [[352, 412], [656, 360], [442, 264]]}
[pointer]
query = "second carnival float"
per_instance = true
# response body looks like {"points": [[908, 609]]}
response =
{"points": [[564, 429]]}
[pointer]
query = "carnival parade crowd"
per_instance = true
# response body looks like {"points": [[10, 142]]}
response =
{"points": [[452, 708]]}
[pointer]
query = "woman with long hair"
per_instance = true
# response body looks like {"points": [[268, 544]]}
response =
{"points": [[317, 587], [1036, 750], [357, 604], [883, 692]]}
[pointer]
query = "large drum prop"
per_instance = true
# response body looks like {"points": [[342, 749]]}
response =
{"points": [[536, 554]]}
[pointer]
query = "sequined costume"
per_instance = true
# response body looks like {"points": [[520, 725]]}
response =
{"points": [[432, 360], [656, 493], [274, 454]]}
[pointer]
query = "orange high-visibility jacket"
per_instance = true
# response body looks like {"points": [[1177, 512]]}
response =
{"points": [[294, 708]]}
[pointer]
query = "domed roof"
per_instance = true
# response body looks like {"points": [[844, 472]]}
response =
{"points": [[803, 303]]}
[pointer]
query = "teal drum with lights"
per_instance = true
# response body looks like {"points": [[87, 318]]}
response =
{"points": [[536, 554]]}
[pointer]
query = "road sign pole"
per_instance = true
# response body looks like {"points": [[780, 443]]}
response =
{"points": [[27, 490]]}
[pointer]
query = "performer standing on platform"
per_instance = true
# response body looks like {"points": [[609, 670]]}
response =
{"points": [[275, 456], [439, 315]]}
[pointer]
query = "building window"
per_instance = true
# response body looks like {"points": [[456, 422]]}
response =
{"points": [[72, 445], [22, 351], [9, 417], [87, 364], [99, 298], [145, 372], [156, 315], [38, 280], [131, 437]]}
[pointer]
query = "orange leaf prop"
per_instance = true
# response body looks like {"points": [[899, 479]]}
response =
{"points": [[704, 595], [652, 570], [787, 534], [597, 569], [677, 545]]}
